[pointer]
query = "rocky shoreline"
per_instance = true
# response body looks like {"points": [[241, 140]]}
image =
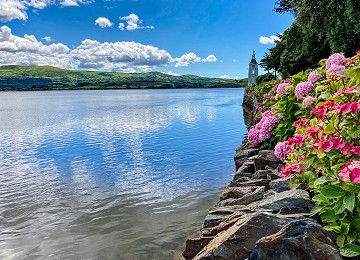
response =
{"points": [[258, 216]]}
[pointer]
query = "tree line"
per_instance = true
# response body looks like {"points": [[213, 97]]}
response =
{"points": [[320, 28]]}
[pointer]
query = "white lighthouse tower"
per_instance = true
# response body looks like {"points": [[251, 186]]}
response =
{"points": [[253, 70]]}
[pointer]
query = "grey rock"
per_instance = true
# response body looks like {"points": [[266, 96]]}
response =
{"points": [[238, 241], [294, 198], [259, 182], [260, 174], [194, 246], [246, 199], [299, 239], [280, 185], [236, 192], [242, 155], [214, 218]]}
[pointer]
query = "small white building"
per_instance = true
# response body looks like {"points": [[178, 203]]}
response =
{"points": [[253, 70]]}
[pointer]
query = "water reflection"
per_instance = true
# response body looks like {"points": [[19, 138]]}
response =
{"points": [[111, 174]]}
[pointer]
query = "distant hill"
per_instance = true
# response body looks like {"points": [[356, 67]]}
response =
{"points": [[15, 77]]}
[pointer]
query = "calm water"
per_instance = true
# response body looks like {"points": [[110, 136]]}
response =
{"points": [[123, 174]]}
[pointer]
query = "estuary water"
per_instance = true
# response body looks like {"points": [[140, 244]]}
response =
{"points": [[112, 174]]}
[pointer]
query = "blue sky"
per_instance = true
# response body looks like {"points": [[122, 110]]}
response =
{"points": [[212, 38]]}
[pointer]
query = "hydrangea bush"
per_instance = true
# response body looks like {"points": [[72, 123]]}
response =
{"points": [[313, 120]]}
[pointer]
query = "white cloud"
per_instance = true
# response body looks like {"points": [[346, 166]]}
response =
{"points": [[14, 9], [103, 22], [189, 58], [121, 26], [224, 77], [211, 58], [47, 39], [89, 55], [17, 9], [172, 73], [269, 40], [118, 56], [133, 23]]}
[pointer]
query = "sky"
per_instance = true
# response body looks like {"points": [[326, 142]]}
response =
{"points": [[212, 38]]}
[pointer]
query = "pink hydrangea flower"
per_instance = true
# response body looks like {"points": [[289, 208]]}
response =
{"points": [[335, 59], [302, 89], [281, 88], [351, 170], [314, 76], [333, 69], [308, 101], [262, 130], [282, 150], [338, 143]]}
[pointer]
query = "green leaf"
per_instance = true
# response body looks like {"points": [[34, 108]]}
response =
{"points": [[355, 225], [322, 180], [340, 240], [329, 128], [354, 132], [350, 250], [332, 191], [333, 228], [316, 210], [345, 228], [329, 216], [349, 201], [351, 236], [319, 198], [351, 187], [306, 163], [339, 207]]}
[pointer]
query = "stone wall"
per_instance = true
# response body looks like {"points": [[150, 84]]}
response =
{"points": [[258, 216]]}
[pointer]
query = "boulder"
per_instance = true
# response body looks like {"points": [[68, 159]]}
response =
{"points": [[299, 239], [260, 174], [238, 241], [236, 192], [246, 199], [194, 246], [260, 182], [242, 155], [266, 158], [280, 185]]}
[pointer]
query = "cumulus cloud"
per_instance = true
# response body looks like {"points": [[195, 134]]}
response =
{"points": [[269, 40], [224, 77], [103, 22], [89, 55], [112, 56], [189, 58], [47, 39], [211, 58], [133, 23], [10, 10], [17, 9], [172, 73]]}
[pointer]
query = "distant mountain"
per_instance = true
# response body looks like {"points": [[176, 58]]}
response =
{"points": [[15, 77]]}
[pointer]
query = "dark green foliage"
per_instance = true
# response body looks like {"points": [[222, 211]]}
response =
{"points": [[265, 78], [320, 28], [48, 78]]}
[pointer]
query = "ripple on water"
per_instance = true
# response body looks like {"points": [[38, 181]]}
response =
{"points": [[112, 174]]}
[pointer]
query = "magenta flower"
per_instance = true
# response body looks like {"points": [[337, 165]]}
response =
{"points": [[302, 89], [308, 101], [334, 69], [335, 59], [325, 144], [351, 170], [282, 150], [338, 143], [314, 76], [262, 130], [281, 88]]}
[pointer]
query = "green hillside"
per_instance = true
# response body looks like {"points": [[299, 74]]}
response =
{"points": [[15, 77]]}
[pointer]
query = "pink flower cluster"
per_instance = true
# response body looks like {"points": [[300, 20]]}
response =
{"points": [[347, 107], [302, 89], [351, 170], [314, 76], [348, 91], [335, 59], [282, 150], [262, 130], [281, 88], [334, 64], [308, 101], [301, 122], [289, 168]]}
